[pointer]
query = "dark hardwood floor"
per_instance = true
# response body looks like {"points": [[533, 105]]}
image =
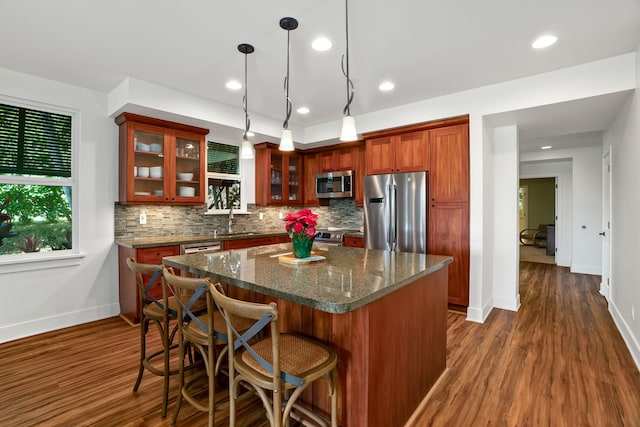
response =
{"points": [[559, 361]]}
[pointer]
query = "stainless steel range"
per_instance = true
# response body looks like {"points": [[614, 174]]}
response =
{"points": [[333, 238]]}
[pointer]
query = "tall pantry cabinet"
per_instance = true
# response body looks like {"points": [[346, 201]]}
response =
{"points": [[449, 205], [442, 148]]}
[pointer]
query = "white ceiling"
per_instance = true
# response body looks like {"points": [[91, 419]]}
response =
{"points": [[428, 48]]}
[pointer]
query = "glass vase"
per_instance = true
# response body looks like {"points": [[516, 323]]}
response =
{"points": [[301, 246]]}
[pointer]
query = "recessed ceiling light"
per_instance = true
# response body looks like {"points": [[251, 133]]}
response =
{"points": [[250, 134], [321, 44], [234, 85], [386, 86], [303, 110], [544, 41], [546, 147]]}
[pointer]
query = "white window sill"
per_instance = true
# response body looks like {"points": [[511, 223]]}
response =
{"points": [[38, 261]]}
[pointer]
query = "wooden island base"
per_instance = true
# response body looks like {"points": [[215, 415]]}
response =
{"points": [[391, 351]]}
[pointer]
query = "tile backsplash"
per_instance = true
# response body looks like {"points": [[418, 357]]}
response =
{"points": [[180, 220]]}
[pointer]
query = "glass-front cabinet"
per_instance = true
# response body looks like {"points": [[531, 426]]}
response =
{"points": [[278, 176], [160, 161]]}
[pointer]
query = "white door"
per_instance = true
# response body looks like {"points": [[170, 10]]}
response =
{"points": [[605, 285]]}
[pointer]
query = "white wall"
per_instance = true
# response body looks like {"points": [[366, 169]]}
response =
{"points": [[40, 300], [624, 137], [505, 257]]}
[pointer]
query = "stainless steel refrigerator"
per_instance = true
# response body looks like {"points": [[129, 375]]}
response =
{"points": [[395, 212]]}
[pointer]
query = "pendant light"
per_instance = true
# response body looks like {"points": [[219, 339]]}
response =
{"points": [[246, 148], [348, 122], [286, 142]]}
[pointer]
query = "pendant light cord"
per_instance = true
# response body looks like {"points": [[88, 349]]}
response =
{"points": [[245, 101], [288, 104], [350, 88]]}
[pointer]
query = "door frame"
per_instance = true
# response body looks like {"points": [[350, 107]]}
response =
{"points": [[605, 284]]}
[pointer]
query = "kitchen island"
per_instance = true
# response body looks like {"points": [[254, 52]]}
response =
{"points": [[384, 312]]}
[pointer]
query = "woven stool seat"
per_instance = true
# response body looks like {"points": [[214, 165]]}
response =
{"points": [[298, 355]]}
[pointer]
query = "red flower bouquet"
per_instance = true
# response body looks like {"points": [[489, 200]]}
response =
{"points": [[301, 226]]}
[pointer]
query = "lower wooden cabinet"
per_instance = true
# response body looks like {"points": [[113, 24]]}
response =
{"points": [[256, 241], [353, 242], [129, 296], [449, 235]]}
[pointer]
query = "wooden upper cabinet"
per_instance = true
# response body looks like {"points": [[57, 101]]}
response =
{"points": [[358, 167], [326, 160], [160, 162], [311, 167], [337, 160], [279, 176], [449, 172], [379, 156], [408, 152], [412, 152]]}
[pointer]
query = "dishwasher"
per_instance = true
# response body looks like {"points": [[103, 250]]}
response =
{"points": [[200, 248]]}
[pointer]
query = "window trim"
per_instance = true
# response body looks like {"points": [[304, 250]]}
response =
{"points": [[73, 182]]}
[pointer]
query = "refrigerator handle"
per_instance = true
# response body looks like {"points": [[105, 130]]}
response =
{"points": [[393, 217]]}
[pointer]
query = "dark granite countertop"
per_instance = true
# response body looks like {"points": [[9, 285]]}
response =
{"points": [[349, 278], [149, 242]]}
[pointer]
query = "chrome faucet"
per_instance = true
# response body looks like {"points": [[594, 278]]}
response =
{"points": [[230, 220]]}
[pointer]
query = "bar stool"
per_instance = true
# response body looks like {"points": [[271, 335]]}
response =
{"points": [[203, 332], [275, 365], [160, 312]]}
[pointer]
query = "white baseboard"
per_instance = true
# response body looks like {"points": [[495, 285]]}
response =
{"points": [[506, 302], [605, 291], [479, 315], [586, 269], [52, 323], [628, 337]]}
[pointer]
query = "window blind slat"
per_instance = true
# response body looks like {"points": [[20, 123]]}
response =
{"points": [[34, 142], [223, 158]]}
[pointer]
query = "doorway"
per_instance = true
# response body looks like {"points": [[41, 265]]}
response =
{"points": [[537, 210]]}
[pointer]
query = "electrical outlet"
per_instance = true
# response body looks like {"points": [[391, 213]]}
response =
{"points": [[261, 216], [143, 217], [280, 215], [633, 312]]}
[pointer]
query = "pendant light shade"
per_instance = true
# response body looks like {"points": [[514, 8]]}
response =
{"points": [[286, 143], [348, 123], [246, 148], [348, 129]]}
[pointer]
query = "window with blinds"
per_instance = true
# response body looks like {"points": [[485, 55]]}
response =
{"points": [[35, 143], [223, 158], [224, 182], [36, 181]]}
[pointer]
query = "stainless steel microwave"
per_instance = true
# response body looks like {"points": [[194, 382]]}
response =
{"points": [[332, 185]]}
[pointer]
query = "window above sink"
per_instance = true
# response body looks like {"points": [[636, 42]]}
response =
{"points": [[224, 181]]}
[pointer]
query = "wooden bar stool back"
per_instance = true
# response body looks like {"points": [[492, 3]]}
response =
{"points": [[279, 367], [203, 331], [159, 311]]}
